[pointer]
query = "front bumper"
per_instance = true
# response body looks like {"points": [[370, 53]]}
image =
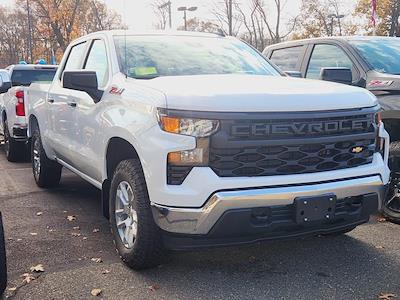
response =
{"points": [[200, 221]]}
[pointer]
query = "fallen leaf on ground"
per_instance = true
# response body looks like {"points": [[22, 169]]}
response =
{"points": [[27, 277], [105, 272], [97, 259], [76, 228], [39, 213], [39, 268], [96, 230], [96, 292], [386, 296], [18, 240], [33, 233], [379, 247], [381, 219], [84, 238], [154, 287], [71, 218], [52, 230], [76, 234], [13, 289]]}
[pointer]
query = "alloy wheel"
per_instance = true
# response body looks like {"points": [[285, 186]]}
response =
{"points": [[36, 158], [125, 214]]}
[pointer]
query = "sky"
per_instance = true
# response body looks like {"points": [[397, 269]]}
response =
{"points": [[139, 15]]}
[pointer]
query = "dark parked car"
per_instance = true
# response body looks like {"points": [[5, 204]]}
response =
{"points": [[369, 62], [3, 266]]}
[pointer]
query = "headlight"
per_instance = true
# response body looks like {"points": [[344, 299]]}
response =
{"points": [[186, 126]]}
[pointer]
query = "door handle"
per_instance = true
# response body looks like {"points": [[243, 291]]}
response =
{"points": [[50, 100], [72, 104]]}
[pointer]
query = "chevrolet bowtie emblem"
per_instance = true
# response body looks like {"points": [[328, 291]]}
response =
{"points": [[357, 149]]}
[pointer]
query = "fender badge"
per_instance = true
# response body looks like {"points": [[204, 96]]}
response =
{"points": [[116, 91], [357, 150]]}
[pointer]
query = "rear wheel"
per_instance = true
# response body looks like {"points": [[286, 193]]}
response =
{"points": [[13, 149], [136, 236], [47, 173]]}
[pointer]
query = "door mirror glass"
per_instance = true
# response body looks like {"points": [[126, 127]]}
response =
{"points": [[85, 81], [340, 75], [295, 74]]}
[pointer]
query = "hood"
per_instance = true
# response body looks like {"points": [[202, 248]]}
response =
{"points": [[252, 93]]}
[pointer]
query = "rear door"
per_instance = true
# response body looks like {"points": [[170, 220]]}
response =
{"points": [[288, 58], [62, 108]]}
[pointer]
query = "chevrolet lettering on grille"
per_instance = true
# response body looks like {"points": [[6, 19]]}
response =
{"points": [[300, 128]]}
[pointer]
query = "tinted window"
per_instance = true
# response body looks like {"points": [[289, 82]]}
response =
{"points": [[382, 54], [97, 61], [75, 57], [327, 56], [146, 57], [26, 77], [287, 58]]}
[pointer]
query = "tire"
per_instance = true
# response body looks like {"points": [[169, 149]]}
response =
{"points": [[3, 265], [47, 173], [143, 249], [340, 232], [391, 205], [14, 150]]}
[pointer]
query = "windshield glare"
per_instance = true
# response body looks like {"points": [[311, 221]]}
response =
{"points": [[382, 54], [153, 56]]}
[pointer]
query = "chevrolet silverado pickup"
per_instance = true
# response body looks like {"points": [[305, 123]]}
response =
{"points": [[13, 120], [196, 141]]}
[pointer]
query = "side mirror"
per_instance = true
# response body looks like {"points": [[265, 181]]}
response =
{"points": [[295, 74], [85, 81], [339, 75], [5, 85]]}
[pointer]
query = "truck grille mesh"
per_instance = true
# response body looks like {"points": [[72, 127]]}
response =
{"points": [[237, 150], [293, 159]]}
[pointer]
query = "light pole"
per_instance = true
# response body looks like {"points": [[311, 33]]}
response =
{"points": [[185, 9], [335, 16], [168, 4], [29, 32]]}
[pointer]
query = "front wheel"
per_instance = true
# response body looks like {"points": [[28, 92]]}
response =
{"points": [[136, 236], [391, 206], [47, 173]]}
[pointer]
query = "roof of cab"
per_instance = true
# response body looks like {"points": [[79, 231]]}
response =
{"points": [[332, 38], [31, 67]]}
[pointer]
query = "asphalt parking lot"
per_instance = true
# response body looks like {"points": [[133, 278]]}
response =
{"points": [[78, 255]]}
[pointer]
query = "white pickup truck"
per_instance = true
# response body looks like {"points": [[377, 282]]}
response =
{"points": [[197, 141], [13, 105]]}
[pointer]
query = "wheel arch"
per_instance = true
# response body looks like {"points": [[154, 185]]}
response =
{"points": [[117, 150]]}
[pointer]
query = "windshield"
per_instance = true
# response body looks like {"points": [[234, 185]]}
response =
{"points": [[26, 77], [148, 57], [382, 54]]}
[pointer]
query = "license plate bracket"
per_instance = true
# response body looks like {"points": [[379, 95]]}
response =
{"points": [[315, 208]]}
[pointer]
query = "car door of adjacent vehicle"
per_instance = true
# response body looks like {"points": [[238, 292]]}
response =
{"points": [[62, 115], [87, 135], [327, 55], [288, 58]]}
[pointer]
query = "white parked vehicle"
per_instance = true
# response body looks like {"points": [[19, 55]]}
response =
{"points": [[13, 120], [196, 141]]}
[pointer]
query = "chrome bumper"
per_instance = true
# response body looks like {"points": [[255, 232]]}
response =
{"points": [[201, 220]]}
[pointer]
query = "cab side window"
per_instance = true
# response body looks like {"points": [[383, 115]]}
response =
{"points": [[75, 57], [97, 61], [287, 58], [327, 56]]}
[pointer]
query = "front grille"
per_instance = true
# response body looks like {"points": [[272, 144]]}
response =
{"points": [[277, 146], [294, 159]]}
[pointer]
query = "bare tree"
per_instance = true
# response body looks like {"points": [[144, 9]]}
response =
{"points": [[227, 16], [161, 12]]}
